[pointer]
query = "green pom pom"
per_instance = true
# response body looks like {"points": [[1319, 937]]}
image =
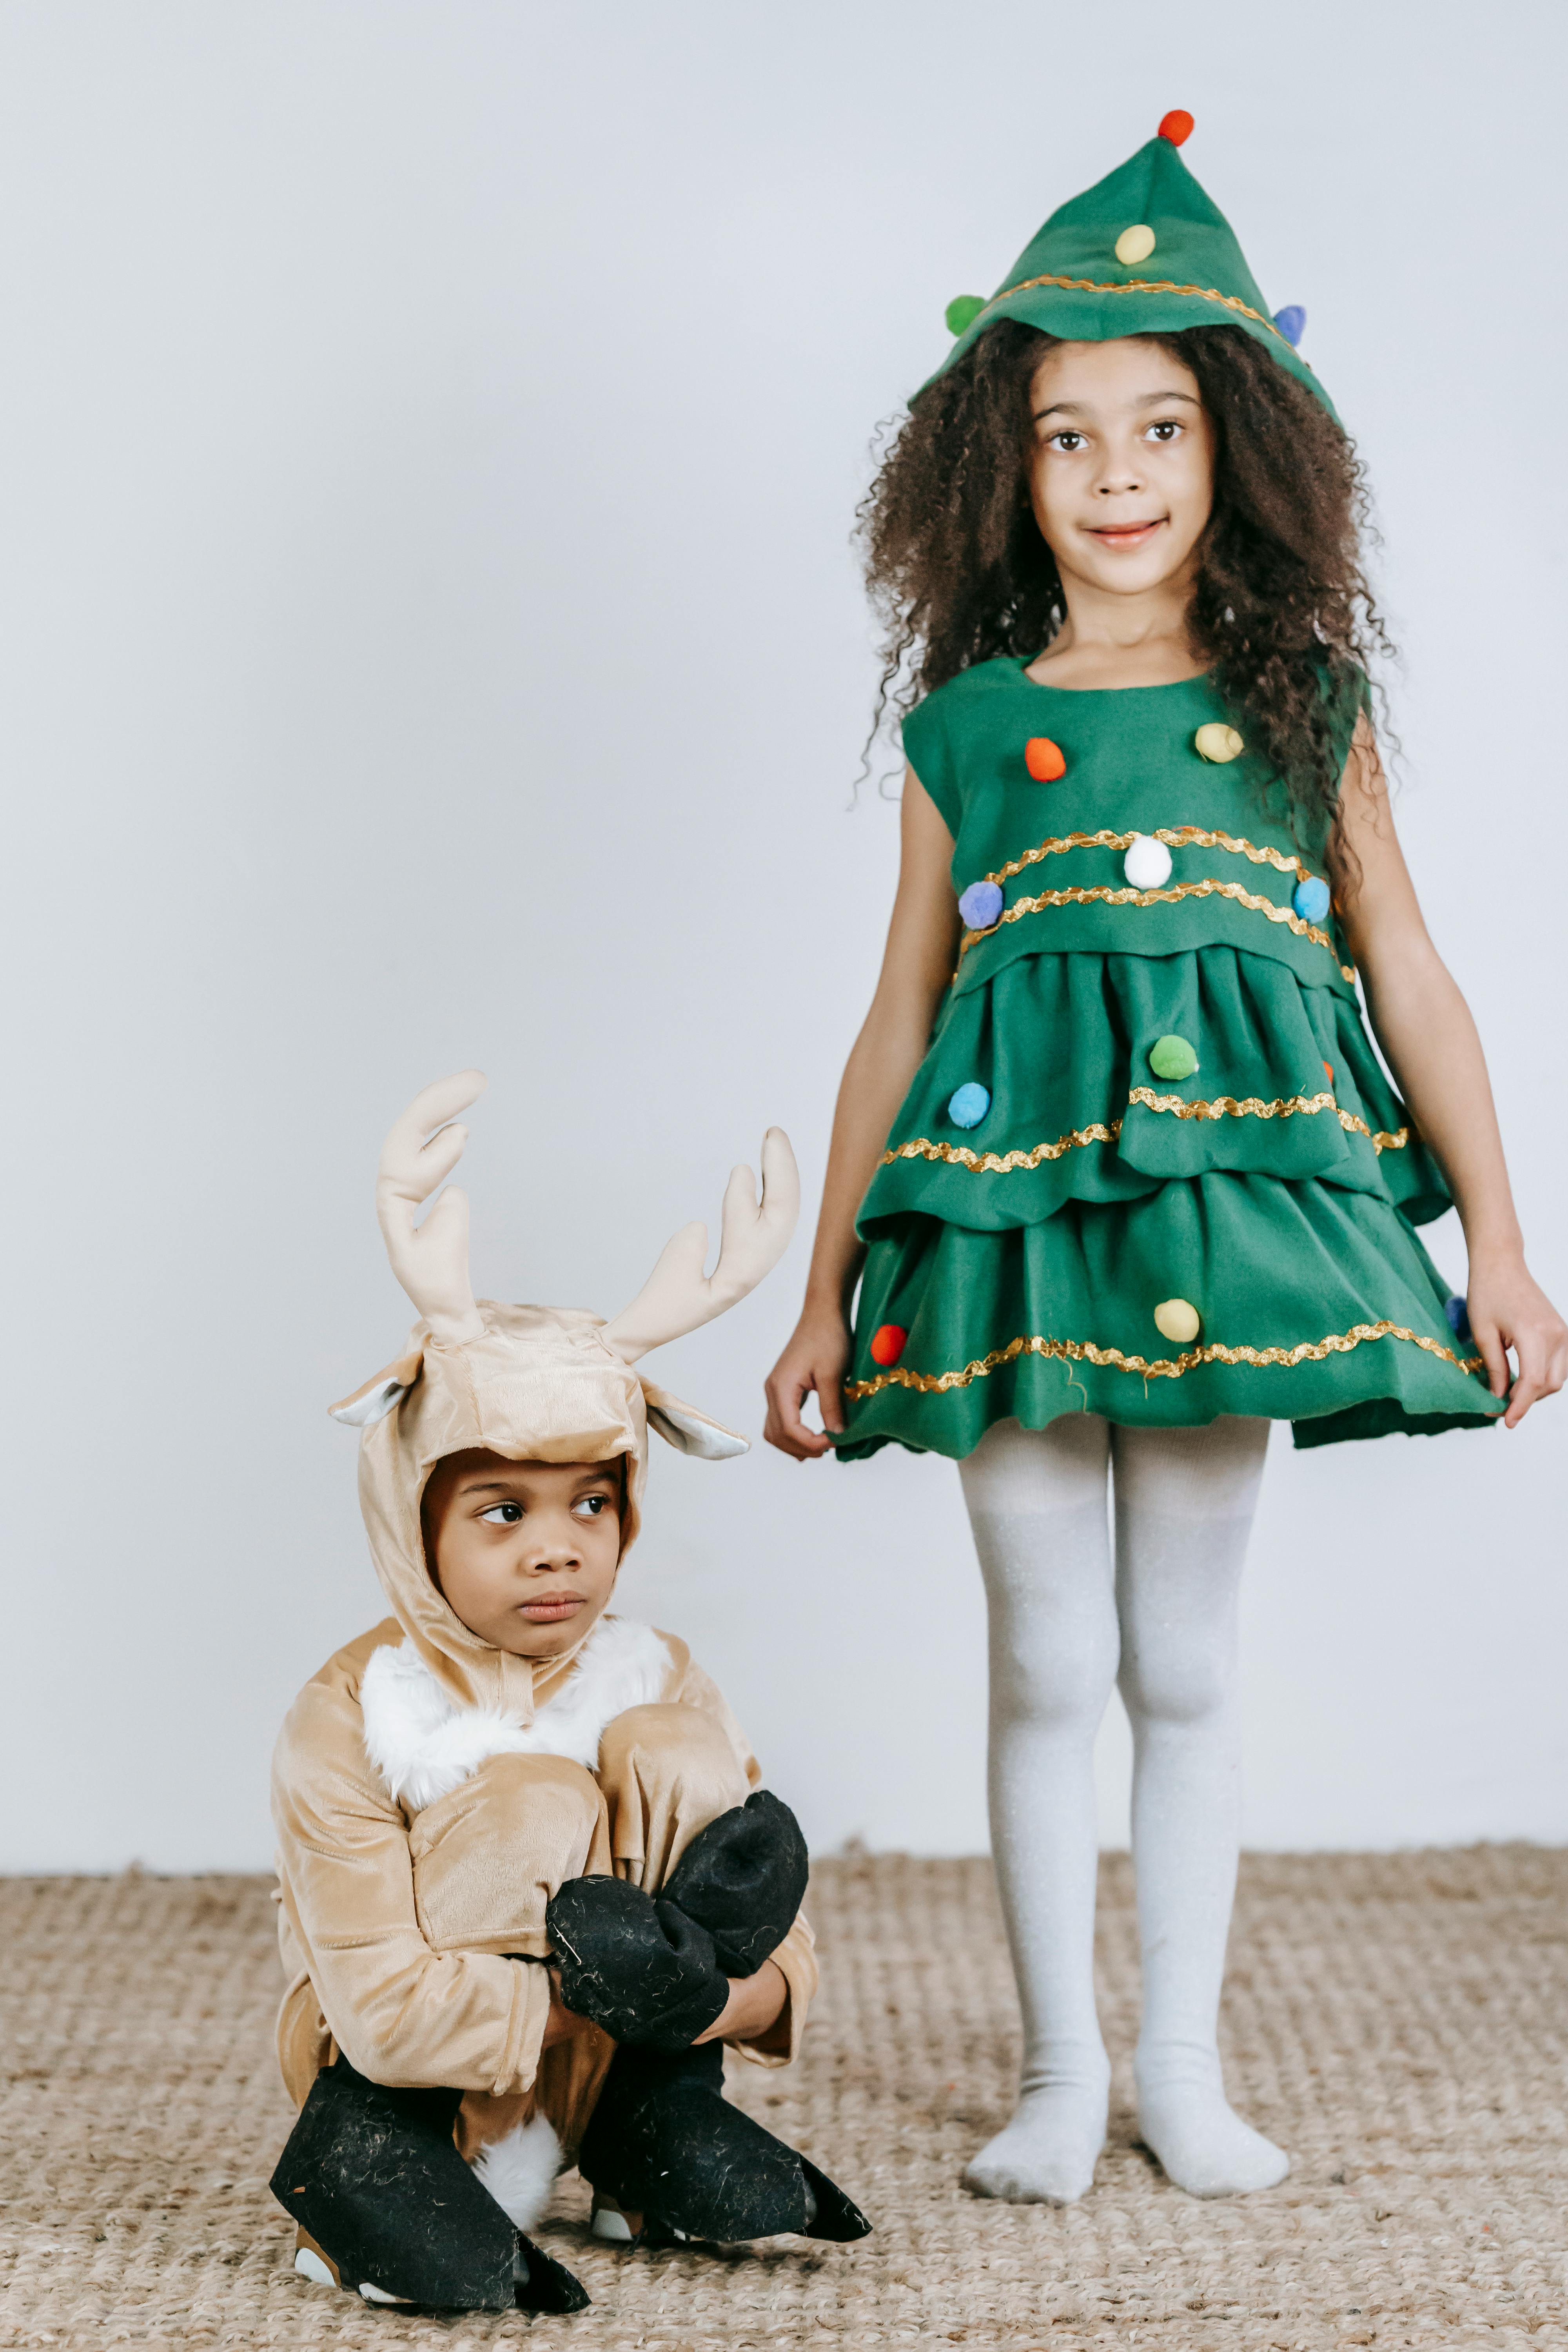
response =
{"points": [[963, 311], [1172, 1057]]}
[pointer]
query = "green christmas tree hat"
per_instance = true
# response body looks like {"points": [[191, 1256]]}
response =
{"points": [[1144, 251]]}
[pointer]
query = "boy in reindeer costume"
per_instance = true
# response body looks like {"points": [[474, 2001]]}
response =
{"points": [[529, 1885]]}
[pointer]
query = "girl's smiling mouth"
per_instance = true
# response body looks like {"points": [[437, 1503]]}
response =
{"points": [[1127, 534]]}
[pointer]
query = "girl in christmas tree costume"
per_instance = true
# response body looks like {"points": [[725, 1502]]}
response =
{"points": [[1115, 1166]]}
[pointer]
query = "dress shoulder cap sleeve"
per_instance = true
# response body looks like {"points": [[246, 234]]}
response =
{"points": [[929, 753]]}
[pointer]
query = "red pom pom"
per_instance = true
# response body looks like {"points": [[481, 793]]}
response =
{"points": [[1044, 759], [1176, 126], [888, 1344]]}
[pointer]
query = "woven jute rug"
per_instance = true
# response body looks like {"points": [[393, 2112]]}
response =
{"points": [[1397, 2022]]}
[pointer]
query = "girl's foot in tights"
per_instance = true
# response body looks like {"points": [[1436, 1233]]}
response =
{"points": [[1046, 2154], [1187, 2122]]}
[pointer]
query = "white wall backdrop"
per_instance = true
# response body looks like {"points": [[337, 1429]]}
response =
{"points": [[428, 635]]}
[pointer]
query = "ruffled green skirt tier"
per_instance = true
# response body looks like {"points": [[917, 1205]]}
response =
{"points": [[1274, 1190]]}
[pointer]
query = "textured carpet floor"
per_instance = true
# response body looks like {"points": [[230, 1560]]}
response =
{"points": [[1398, 2022]]}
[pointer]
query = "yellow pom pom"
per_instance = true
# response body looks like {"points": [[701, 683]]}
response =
{"points": [[1177, 1319], [1135, 244], [1217, 743]]}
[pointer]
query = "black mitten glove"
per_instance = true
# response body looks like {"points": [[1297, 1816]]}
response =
{"points": [[639, 1968], [654, 1970], [743, 1879]]}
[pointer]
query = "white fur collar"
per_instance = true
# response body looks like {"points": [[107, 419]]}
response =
{"points": [[424, 1744]]}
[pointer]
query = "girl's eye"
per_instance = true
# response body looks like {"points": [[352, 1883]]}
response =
{"points": [[1166, 430], [503, 1514], [1067, 442]]}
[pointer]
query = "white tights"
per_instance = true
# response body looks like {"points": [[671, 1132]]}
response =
{"points": [[1064, 1626]]}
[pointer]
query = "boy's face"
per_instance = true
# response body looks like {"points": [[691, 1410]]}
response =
{"points": [[524, 1552]]}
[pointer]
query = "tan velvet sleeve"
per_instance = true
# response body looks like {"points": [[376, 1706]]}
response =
{"points": [[797, 1955], [403, 2013]]}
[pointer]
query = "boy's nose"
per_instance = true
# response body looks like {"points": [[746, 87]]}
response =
{"points": [[547, 1557]]}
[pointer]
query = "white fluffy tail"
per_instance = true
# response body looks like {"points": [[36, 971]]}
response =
{"points": [[519, 2170]]}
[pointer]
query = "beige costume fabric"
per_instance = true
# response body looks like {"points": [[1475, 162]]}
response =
{"points": [[431, 1791]]}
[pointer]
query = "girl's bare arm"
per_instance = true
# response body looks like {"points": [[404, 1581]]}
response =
{"points": [[917, 965], [1425, 1028]]}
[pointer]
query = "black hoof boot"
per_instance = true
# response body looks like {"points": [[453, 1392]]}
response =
{"points": [[743, 1878], [664, 2141], [638, 1967], [375, 2178]]}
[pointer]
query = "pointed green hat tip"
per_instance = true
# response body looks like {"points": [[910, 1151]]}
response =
{"points": [[1144, 251]]}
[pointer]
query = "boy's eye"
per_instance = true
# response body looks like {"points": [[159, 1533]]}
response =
{"points": [[503, 1514], [592, 1505]]}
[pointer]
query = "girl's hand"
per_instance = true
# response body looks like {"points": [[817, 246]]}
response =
{"points": [[816, 1357], [1507, 1309]]}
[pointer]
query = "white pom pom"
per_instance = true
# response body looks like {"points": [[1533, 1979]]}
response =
{"points": [[1148, 862]]}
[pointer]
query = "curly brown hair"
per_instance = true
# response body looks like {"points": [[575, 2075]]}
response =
{"points": [[1282, 611]]}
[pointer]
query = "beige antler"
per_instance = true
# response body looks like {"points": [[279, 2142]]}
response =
{"points": [[678, 1297], [431, 1260]]}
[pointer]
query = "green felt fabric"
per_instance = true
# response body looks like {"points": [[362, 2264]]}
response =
{"points": [[1279, 1199], [1131, 767], [1195, 276]]}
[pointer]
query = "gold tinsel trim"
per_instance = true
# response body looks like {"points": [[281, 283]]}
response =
{"points": [[1284, 1106], [1174, 836], [1248, 1107], [1166, 1368], [1381, 1141], [1077, 896], [1146, 286], [1005, 1163], [1008, 1164]]}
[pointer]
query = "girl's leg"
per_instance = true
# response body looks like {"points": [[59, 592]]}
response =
{"points": [[1037, 1502], [1184, 1502]]}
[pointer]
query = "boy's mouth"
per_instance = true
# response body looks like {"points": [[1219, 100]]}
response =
{"points": [[551, 1608]]}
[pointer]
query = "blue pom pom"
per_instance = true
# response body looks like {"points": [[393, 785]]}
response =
{"points": [[1292, 322], [969, 1105], [1310, 899], [1459, 1315], [981, 904]]}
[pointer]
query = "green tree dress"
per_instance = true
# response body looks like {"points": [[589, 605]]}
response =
{"points": [[1151, 1166]]}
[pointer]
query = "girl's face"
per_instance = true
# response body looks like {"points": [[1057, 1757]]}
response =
{"points": [[524, 1552], [1121, 464]]}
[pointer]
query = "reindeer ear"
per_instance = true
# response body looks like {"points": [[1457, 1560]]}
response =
{"points": [[688, 1431], [375, 1399]]}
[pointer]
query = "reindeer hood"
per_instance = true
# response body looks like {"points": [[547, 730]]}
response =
{"points": [[534, 1383]]}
